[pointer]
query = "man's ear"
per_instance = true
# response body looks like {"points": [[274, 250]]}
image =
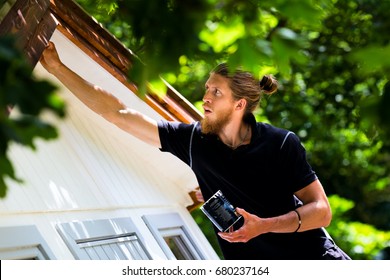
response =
{"points": [[241, 104]]}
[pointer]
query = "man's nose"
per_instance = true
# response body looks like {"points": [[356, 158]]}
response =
{"points": [[207, 96]]}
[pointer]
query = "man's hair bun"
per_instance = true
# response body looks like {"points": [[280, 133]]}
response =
{"points": [[268, 84]]}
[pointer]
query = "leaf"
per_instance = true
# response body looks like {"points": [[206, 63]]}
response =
{"points": [[371, 59], [138, 74], [3, 187], [220, 36], [18, 88], [158, 87], [26, 128], [6, 170], [247, 56], [383, 108], [288, 46], [302, 12]]}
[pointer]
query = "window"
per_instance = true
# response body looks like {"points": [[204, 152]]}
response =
{"points": [[23, 243], [173, 236], [113, 239]]}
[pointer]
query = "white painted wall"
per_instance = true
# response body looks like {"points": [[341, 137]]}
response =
{"points": [[94, 170]]}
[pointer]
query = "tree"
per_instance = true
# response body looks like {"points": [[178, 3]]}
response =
{"points": [[329, 59], [30, 97], [328, 56]]}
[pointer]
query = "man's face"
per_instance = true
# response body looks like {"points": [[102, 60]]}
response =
{"points": [[218, 104]]}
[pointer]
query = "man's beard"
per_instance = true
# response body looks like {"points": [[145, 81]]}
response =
{"points": [[214, 127]]}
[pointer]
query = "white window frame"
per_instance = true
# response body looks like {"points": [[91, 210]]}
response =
{"points": [[172, 225], [108, 239], [22, 243]]}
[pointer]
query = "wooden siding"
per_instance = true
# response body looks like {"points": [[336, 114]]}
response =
{"points": [[94, 170], [94, 165], [33, 22]]}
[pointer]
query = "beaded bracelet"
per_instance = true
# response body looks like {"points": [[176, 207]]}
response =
{"points": [[299, 222]]}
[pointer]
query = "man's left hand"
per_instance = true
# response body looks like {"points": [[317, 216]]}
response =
{"points": [[252, 227]]}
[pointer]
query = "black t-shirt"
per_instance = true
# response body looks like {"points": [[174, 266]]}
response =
{"points": [[260, 177]]}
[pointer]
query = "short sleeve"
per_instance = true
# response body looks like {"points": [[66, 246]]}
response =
{"points": [[294, 163], [175, 138]]}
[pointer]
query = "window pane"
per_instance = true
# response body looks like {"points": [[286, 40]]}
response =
{"points": [[178, 247], [173, 236], [99, 239]]}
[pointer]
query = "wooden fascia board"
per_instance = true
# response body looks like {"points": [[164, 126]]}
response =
{"points": [[117, 57], [196, 203], [183, 102], [31, 24], [74, 18]]}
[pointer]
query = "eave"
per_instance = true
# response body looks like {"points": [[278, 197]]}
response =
{"points": [[33, 23]]}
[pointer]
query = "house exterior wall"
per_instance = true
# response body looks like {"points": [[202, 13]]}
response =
{"points": [[94, 170]]}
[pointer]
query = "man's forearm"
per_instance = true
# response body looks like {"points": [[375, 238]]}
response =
{"points": [[94, 97]]}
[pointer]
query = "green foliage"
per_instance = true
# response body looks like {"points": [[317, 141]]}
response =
{"points": [[330, 59], [30, 97], [362, 241], [160, 32], [208, 230]]}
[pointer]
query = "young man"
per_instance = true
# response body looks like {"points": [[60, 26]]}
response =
{"points": [[261, 169]]}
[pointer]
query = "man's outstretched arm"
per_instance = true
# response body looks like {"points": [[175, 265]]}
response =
{"points": [[101, 101]]}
